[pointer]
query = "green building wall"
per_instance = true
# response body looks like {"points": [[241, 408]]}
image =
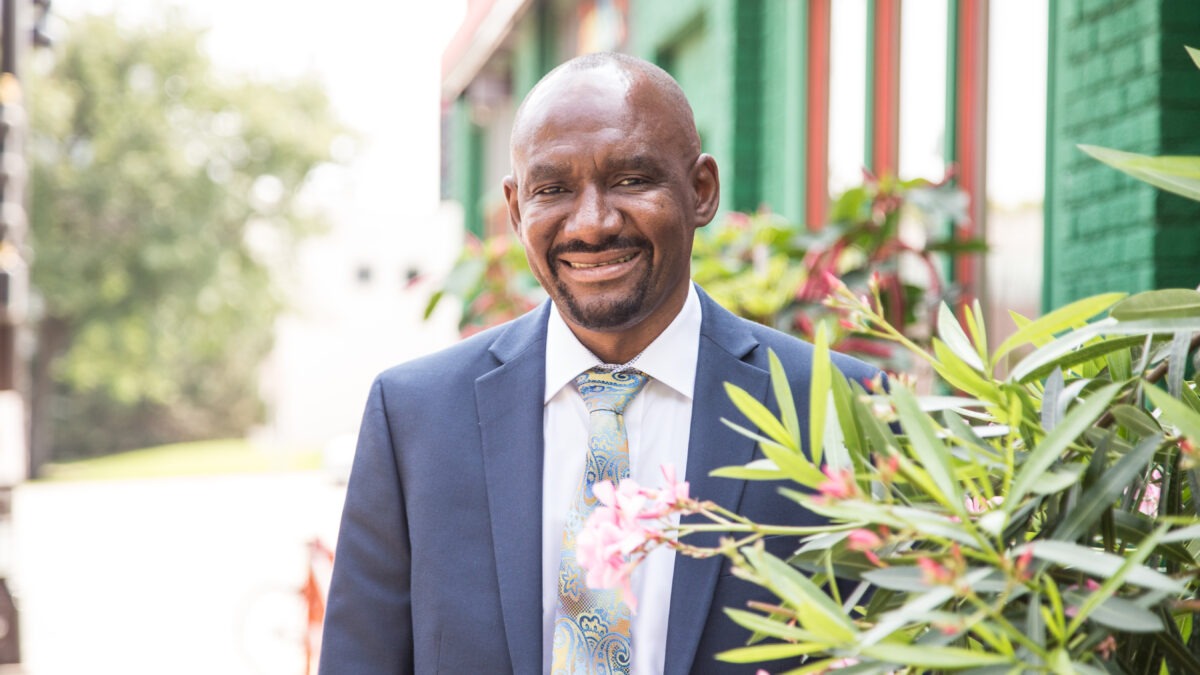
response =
{"points": [[742, 65], [1120, 78], [466, 172]]}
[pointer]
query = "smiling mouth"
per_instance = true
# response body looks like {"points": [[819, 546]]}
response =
{"points": [[614, 261]]}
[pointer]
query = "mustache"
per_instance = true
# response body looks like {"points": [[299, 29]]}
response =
{"points": [[615, 242]]}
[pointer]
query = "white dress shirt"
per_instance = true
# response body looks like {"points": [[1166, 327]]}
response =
{"points": [[658, 423]]}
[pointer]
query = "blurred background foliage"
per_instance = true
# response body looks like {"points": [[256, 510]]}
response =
{"points": [[886, 234], [163, 192]]}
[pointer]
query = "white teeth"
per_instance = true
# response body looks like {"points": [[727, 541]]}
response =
{"points": [[583, 266]]}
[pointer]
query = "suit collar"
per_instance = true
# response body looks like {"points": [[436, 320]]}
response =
{"points": [[525, 332], [509, 408], [723, 329], [725, 344]]}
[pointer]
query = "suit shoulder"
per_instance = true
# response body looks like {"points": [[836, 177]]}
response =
{"points": [[796, 353]]}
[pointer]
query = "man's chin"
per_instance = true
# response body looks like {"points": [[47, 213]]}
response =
{"points": [[603, 314], [613, 308]]}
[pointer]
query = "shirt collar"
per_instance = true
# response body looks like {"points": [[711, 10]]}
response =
{"points": [[670, 358]]}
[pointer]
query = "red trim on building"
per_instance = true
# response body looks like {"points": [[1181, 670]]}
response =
{"points": [[970, 132], [457, 47], [816, 188], [482, 32], [886, 88]]}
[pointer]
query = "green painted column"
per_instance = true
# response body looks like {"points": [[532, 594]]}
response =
{"points": [[784, 108], [533, 49], [737, 62], [1119, 77], [467, 172]]}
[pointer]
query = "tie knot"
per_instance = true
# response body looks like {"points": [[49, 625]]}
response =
{"points": [[604, 390]]}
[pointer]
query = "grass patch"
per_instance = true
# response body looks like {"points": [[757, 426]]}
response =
{"points": [[200, 458]]}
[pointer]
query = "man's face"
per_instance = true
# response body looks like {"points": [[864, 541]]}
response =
{"points": [[606, 195]]}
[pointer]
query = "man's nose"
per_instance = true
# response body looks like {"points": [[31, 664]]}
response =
{"points": [[595, 217]]}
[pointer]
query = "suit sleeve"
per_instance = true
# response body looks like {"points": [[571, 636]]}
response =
{"points": [[368, 621]]}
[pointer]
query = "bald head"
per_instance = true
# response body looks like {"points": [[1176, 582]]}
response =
{"points": [[647, 88]]}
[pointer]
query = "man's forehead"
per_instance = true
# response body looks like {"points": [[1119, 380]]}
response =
{"points": [[604, 79], [573, 97]]}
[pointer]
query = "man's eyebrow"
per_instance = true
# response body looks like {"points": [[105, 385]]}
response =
{"points": [[636, 162], [551, 171], [545, 171]]}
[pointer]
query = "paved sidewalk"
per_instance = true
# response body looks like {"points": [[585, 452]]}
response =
{"points": [[180, 575]]}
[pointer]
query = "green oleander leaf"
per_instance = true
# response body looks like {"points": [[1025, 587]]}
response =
{"points": [[843, 404], [759, 469], [818, 612], [1106, 490], [794, 465], [1118, 613], [819, 388], [769, 652], [1176, 412], [1135, 420], [952, 334], [1102, 565], [1168, 303], [783, 396], [759, 415], [1043, 456], [768, 626], [916, 607], [933, 455], [1177, 174], [934, 657], [958, 374], [1054, 322]]}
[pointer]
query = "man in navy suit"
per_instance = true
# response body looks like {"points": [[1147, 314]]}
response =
{"points": [[467, 459]]}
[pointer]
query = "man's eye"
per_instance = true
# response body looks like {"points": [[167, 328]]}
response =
{"points": [[551, 190], [632, 180]]}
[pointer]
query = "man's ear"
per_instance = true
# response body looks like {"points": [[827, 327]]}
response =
{"points": [[510, 199], [706, 181]]}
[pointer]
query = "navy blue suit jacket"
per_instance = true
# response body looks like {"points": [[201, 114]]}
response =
{"points": [[438, 566]]}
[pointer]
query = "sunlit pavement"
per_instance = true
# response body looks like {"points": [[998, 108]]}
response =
{"points": [[179, 575]]}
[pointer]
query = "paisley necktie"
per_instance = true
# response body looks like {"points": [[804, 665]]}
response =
{"points": [[592, 626]]}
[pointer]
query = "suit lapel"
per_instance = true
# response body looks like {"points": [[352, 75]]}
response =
{"points": [[724, 342], [509, 404]]}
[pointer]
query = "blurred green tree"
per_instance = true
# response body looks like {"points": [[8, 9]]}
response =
{"points": [[155, 180]]}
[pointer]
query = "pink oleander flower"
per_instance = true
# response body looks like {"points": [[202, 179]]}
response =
{"points": [[1091, 585], [1151, 495], [677, 490], [1022, 565], [627, 523], [611, 534], [842, 663], [1107, 647], [673, 497], [863, 540], [866, 542], [977, 505], [840, 483], [934, 573], [887, 467], [1189, 457], [598, 549]]}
